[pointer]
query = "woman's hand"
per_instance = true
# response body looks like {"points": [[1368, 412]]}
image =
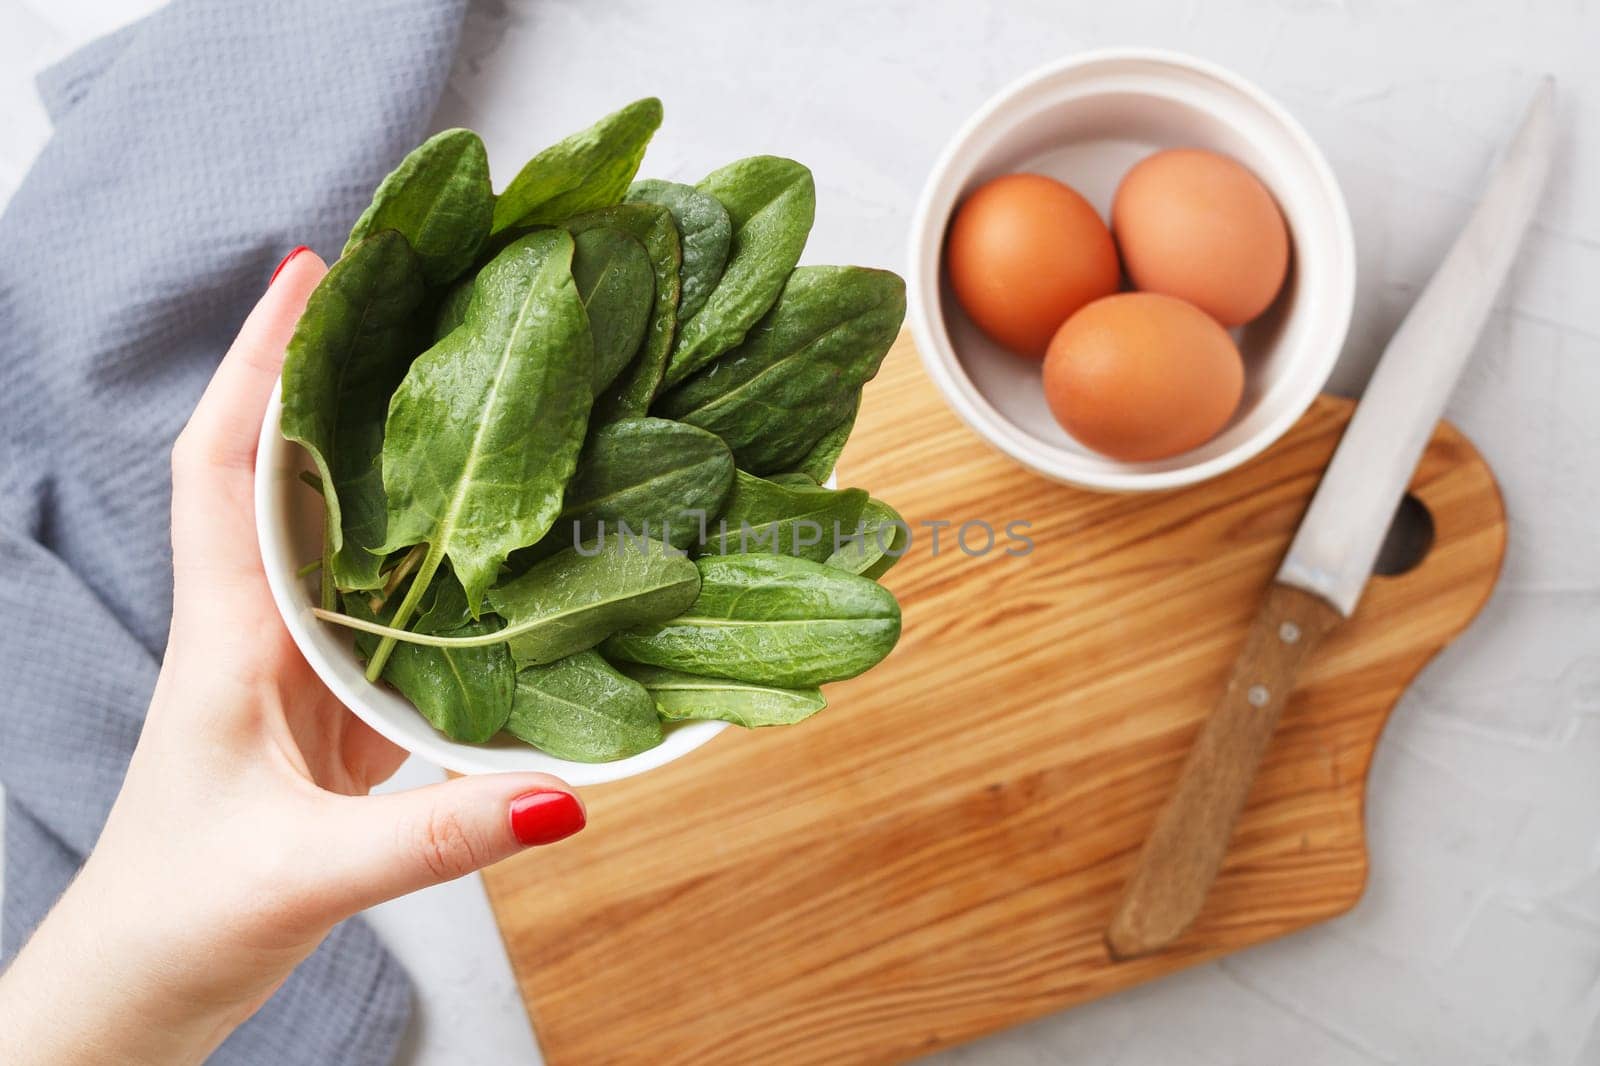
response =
{"points": [[243, 831]]}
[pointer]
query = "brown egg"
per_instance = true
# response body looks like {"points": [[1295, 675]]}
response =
{"points": [[1141, 376], [1201, 227], [1024, 253]]}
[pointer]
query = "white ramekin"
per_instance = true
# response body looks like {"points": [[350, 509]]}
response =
{"points": [[289, 528], [1085, 121]]}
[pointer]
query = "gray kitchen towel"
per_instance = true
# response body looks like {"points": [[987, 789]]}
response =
{"points": [[190, 152]]}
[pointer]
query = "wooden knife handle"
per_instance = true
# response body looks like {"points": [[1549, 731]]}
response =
{"points": [[1184, 850]]}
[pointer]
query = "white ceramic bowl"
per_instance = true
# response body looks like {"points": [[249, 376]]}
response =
{"points": [[289, 528], [1086, 121]]}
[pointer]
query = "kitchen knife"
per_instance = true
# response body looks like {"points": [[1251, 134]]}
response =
{"points": [[1334, 550]]}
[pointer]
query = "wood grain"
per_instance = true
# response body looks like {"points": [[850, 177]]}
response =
{"points": [[938, 854], [1185, 847]]}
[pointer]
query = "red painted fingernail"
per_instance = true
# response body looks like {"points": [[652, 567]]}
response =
{"points": [[545, 817], [286, 260]]}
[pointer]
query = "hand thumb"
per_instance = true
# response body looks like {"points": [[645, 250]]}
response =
{"points": [[400, 842]]}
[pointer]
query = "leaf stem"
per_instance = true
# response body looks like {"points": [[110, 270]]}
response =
{"points": [[308, 569], [407, 564], [391, 634], [330, 595], [402, 614]]}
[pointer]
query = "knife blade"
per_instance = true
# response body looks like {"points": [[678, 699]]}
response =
{"points": [[1338, 540], [1333, 551]]}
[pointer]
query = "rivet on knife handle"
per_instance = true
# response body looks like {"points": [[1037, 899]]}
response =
{"points": [[1182, 854]]}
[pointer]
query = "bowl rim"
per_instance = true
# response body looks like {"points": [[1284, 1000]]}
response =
{"points": [[944, 366], [271, 448]]}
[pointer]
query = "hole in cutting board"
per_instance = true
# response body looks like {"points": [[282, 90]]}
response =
{"points": [[1408, 541]]}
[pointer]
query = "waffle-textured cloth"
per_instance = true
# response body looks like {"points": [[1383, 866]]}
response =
{"points": [[191, 151]]}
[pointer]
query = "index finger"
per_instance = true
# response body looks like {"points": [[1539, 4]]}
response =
{"points": [[227, 421], [213, 460]]}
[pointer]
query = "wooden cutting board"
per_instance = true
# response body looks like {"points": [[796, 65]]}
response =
{"points": [[936, 855]]}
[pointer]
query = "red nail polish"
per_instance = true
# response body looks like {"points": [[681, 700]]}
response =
{"points": [[286, 260], [545, 817]]}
